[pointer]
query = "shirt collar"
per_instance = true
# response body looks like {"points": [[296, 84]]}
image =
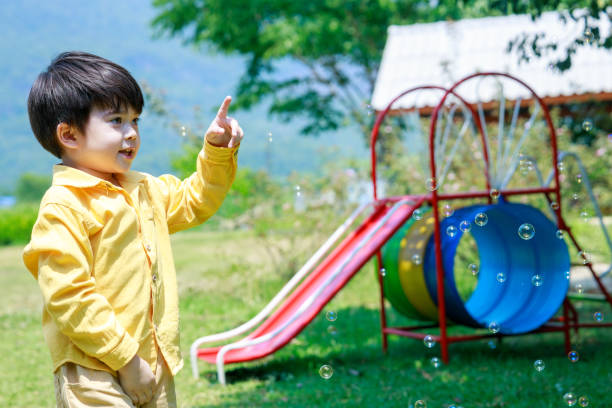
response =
{"points": [[69, 176]]}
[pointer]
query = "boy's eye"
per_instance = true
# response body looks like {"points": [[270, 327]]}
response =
{"points": [[135, 121], [116, 120]]}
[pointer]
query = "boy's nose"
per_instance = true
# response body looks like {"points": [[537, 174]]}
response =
{"points": [[131, 134]]}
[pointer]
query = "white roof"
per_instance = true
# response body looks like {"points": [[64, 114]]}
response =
{"points": [[444, 52]]}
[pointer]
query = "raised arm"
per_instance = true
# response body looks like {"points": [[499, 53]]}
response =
{"points": [[192, 201]]}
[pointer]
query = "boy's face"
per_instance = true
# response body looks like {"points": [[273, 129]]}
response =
{"points": [[109, 144]]}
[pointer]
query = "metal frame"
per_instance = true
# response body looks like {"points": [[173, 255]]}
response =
{"points": [[569, 320]]}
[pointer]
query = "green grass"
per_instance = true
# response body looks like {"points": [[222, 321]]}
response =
{"points": [[226, 278]]}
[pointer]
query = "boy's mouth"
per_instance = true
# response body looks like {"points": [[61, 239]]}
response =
{"points": [[128, 153]]}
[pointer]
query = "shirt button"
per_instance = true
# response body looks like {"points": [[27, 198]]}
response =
{"points": [[154, 277]]}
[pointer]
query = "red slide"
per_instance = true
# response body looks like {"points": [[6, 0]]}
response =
{"points": [[315, 280]]}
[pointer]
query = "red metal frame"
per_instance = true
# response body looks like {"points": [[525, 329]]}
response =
{"points": [[569, 320]]}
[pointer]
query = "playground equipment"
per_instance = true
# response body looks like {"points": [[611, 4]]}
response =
{"points": [[534, 266], [524, 263]]}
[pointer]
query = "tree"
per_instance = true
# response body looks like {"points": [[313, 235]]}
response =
{"points": [[336, 46], [586, 13]]}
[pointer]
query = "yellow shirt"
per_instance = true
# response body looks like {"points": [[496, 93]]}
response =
{"points": [[102, 258]]}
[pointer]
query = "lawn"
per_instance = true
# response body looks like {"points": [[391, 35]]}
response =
{"points": [[226, 277]]}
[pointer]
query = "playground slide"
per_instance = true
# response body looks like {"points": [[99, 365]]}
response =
{"points": [[318, 288]]}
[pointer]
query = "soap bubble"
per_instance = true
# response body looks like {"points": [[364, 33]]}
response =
{"points": [[383, 272], [539, 365], [183, 131], [567, 274], [326, 371], [494, 193], [583, 401], [473, 268], [492, 344], [369, 109], [526, 231], [579, 288], [435, 362], [598, 316], [586, 257], [416, 259], [501, 277], [481, 219], [554, 205], [588, 35], [570, 399], [331, 316], [451, 231], [559, 234], [465, 226], [429, 341], [447, 210], [417, 214], [431, 184], [298, 191], [561, 166], [420, 404], [573, 356], [331, 329], [575, 197], [525, 166], [579, 178], [536, 280], [587, 125], [494, 327], [584, 215], [269, 137]]}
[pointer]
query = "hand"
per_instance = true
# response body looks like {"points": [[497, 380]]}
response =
{"points": [[224, 131], [137, 380]]}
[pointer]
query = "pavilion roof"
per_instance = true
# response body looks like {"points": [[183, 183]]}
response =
{"points": [[443, 52]]}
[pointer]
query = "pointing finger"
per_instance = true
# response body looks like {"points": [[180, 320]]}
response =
{"points": [[222, 114]]}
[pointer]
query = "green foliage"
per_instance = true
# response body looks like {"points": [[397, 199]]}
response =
{"points": [[337, 46], [586, 122], [249, 188], [16, 223], [31, 187], [585, 12], [184, 163]]}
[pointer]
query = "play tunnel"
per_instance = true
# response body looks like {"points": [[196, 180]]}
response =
{"points": [[521, 281]]}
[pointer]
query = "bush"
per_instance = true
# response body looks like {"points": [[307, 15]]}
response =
{"points": [[31, 187], [16, 223]]}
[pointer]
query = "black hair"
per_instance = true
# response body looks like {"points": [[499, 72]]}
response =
{"points": [[71, 86]]}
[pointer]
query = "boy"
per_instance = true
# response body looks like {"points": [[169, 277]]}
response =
{"points": [[100, 248]]}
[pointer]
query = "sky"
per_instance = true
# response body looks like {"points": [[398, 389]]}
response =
{"points": [[35, 32]]}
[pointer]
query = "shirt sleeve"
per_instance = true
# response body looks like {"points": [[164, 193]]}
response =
{"points": [[60, 256], [192, 201]]}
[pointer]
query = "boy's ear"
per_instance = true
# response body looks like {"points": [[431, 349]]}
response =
{"points": [[66, 136]]}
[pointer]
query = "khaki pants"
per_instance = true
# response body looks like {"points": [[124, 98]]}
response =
{"points": [[79, 387]]}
